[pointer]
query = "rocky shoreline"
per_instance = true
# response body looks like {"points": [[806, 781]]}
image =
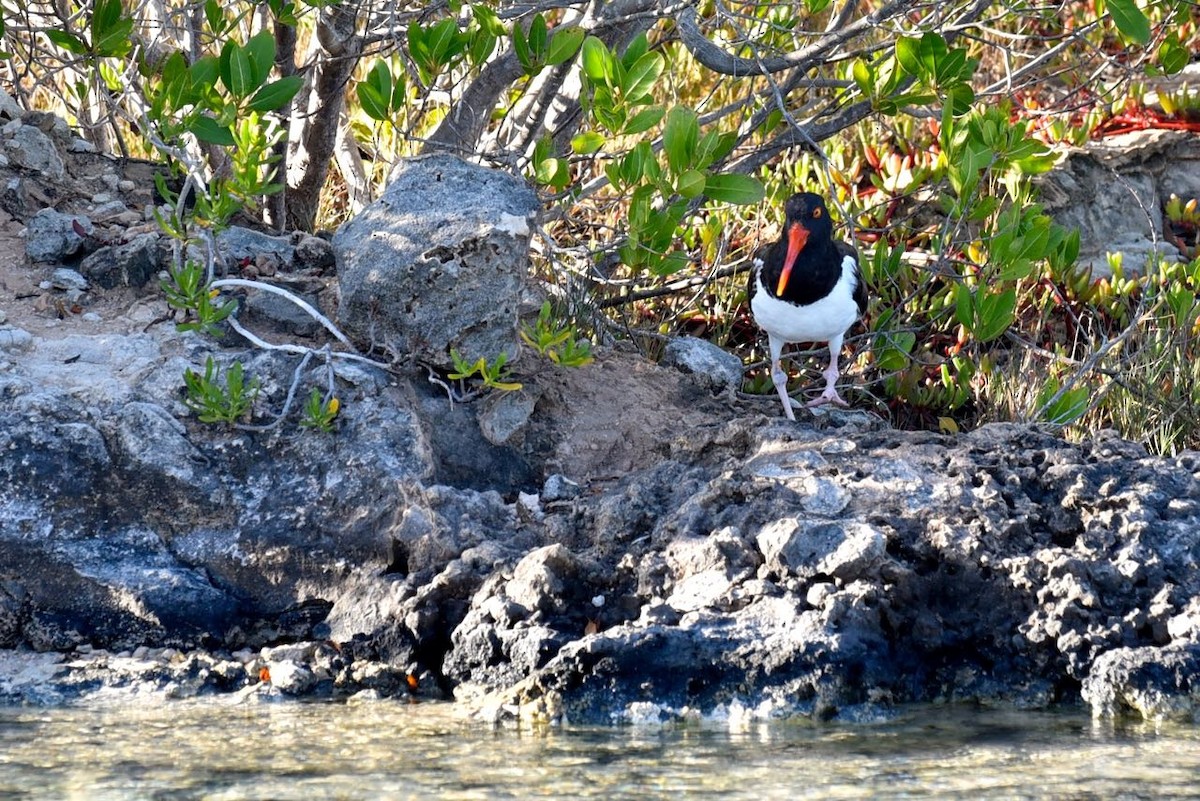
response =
{"points": [[832, 568], [619, 541]]}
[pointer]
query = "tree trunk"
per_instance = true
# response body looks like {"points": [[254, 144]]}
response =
{"points": [[339, 47]]}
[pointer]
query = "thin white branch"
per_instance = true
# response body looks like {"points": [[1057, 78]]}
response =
{"points": [[301, 302]]}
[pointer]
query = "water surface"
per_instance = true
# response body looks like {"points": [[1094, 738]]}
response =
{"points": [[219, 749]]}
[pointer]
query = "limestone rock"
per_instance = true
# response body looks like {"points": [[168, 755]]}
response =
{"points": [[32, 149], [1155, 684], [281, 314], [8, 107], [438, 262], [1114, 191], [717, 369], [238, 243]]}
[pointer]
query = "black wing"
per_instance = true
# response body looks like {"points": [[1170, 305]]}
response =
{"points": [[860, 287]]}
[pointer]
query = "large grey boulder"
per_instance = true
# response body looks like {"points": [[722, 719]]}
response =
{"points": [[440, 261], [122, 524], [1113, 191]]}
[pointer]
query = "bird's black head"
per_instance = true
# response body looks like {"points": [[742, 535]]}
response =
{"points": [[806, 226], [809, 210]]}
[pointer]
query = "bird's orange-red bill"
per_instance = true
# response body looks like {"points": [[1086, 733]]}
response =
{"points": [[797, 238]]}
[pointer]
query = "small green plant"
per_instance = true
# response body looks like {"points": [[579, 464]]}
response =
{"points": [[557, 343], [1180, 212], [1182, 102], [320, 411], [188, 290], [494, 374], [573, 353], [219, 399]]}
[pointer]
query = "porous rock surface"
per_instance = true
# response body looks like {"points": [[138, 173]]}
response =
{"points": [[831, 567], [439, 262], [1113, 192]]}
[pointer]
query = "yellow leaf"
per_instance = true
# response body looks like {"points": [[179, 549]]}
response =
{"points": [[947, 425]]}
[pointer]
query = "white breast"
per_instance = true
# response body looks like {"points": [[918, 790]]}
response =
{"points": [[817, 322]]}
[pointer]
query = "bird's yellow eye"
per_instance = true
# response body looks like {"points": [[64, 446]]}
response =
{"points": [[816, 213]]}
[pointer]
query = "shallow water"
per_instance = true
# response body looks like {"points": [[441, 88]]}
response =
{"points": [[219, 749]]}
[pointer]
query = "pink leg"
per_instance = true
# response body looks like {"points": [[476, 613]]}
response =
{"points": [[830, 395], [779, 377]]}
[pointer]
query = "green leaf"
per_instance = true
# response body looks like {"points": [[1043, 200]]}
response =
{"points": [[110, 32], [908, 55], [949, 67], [1069, 407], [931, 50], [679, 138], [691, 184], [209, 130], [959, 98], [480, 46], [864, 77], [546, 170], [205, 72], [538, 39], [636, 49], [713, 148], [596, 60], [734, 188], [1173, 56], [564, 44], [994, 312], [644, 120], [1130, 20], [375, 106], [67, 41], [669, 265], [894, 348], [442, 41], [487, 20], [276, 94], [260, 51], [641, 77], [1015, 269], [380, 77], [707, 149], [588, 142], [520, 44], [964, 306], [215, 16], [105, 14], [236, 72]]}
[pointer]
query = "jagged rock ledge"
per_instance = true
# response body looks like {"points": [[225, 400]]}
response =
{"points": [[643, 548]]}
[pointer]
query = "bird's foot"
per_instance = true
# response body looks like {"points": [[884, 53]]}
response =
{"points": [[830, 395]]}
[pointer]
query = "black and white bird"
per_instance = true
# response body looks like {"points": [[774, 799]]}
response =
{"points": [[806, 287]]}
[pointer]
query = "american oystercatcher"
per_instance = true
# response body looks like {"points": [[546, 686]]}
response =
{"points": [[806, 287]]}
